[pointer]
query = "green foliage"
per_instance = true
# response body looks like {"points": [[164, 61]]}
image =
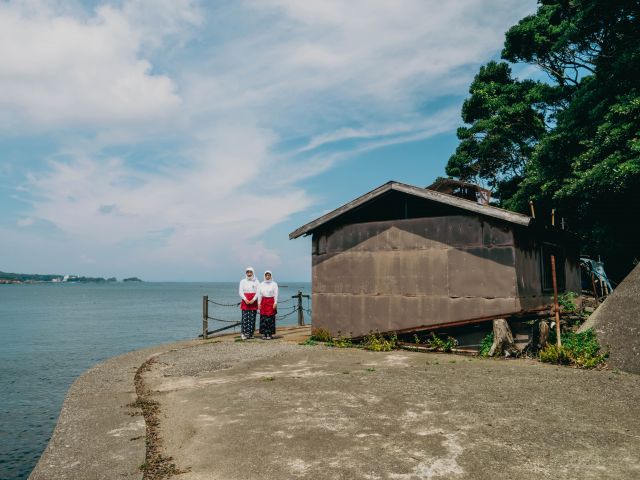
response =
{"points": [[321, 335], [378, 343], [554, 354], [567, 302], [441, 345], [579, 349], [504, 125], [571, 142], [309, 341], [340, 342], [486, 344]]}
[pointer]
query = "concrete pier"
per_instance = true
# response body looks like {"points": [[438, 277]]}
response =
{"points": [[279, 410]]}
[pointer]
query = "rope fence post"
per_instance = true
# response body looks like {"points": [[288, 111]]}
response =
{"points": [[300, 296], [300, 312], [205, 316]]}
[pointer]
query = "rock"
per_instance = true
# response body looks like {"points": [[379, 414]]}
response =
{"points": [[617, 324]]}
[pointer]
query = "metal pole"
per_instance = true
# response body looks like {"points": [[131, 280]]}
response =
{"points": [[595, 292], [556, 306], [300, 312], [205, 316]]}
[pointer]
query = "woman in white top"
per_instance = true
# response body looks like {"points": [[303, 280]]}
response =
{"points": [[248, 290], [268, 305]]}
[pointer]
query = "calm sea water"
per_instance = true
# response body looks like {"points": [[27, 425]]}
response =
{"points": [[51, 333]]}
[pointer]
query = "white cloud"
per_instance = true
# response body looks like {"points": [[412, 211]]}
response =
{"points": [[224, 87], [25, 222], [58, 68], [330, 64], [194, 213]]}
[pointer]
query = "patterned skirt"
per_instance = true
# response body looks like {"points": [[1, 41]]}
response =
{"points": [[268, 325], [248, 324]]}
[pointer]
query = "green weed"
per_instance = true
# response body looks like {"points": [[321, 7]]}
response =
{"points": [[321, 335], [579, 349], [340, 342], [377, 342], [567, 302], [309, 341], [441, 345], [485, 345]]}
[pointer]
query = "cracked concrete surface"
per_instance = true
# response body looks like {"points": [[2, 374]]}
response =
{"points": [[277, 410], [315, 412]]}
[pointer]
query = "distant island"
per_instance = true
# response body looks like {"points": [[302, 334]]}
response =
{"points": [[12, 278]]}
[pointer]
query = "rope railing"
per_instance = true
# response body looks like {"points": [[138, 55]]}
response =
{"points": [[224, 304]]}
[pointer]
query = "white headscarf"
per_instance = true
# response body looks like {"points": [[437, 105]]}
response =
{"points": [[250, 269], [265, 274]]}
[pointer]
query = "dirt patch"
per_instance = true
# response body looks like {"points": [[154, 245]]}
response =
{"points": [[156, 466]]}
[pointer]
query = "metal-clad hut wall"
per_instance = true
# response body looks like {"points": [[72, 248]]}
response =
{"points": [[411, 273]]}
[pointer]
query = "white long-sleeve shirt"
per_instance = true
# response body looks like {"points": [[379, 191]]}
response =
{"points": [[248, 286], [268, 289]]}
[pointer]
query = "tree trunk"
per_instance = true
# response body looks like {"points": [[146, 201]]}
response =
{"points": [[502, 339], [543, 331]]}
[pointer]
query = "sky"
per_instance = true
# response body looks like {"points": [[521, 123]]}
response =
{"points": [[183, 140]]}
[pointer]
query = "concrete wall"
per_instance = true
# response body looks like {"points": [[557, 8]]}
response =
{"points": [[406, 274]]}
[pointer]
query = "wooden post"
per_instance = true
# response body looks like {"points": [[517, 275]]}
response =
{"points": [[556, 306], [300, 312], [533, 211], [503, 343], [205, 316], [543, 337], [595, 292], [553, 217]]}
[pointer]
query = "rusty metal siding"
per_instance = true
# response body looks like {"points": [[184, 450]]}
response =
{"points": [[529, 267], [403, 274]]}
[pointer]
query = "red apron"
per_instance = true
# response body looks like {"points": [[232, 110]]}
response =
{"points": [[266, 306], [246, 306]]}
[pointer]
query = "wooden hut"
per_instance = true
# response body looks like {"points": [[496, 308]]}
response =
{"points": [[402, 258]]}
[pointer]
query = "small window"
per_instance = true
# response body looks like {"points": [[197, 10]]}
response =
{"points": [[546, 251]]}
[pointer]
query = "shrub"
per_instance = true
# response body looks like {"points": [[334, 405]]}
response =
{"points": [[441, 345], [321, 335], [567, 302], [340, 342], [579, 349], [378, 343], [486, 344], [554, 354]]}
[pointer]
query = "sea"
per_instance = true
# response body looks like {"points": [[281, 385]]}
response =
{"points": [[51, 333]]}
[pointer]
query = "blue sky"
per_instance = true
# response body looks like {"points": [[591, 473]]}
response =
{"points": [[184, 140]]}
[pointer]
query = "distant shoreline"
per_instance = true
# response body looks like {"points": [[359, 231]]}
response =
{"points": [[7, 278]]}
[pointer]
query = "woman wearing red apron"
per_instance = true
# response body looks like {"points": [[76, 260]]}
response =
{"points": [[248, 291], [268, 304]]}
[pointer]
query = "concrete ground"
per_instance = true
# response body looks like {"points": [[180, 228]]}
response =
{"points": [[279, 410]]}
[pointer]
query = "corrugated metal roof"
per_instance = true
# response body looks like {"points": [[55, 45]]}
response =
{"points": [[431, 195]]}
